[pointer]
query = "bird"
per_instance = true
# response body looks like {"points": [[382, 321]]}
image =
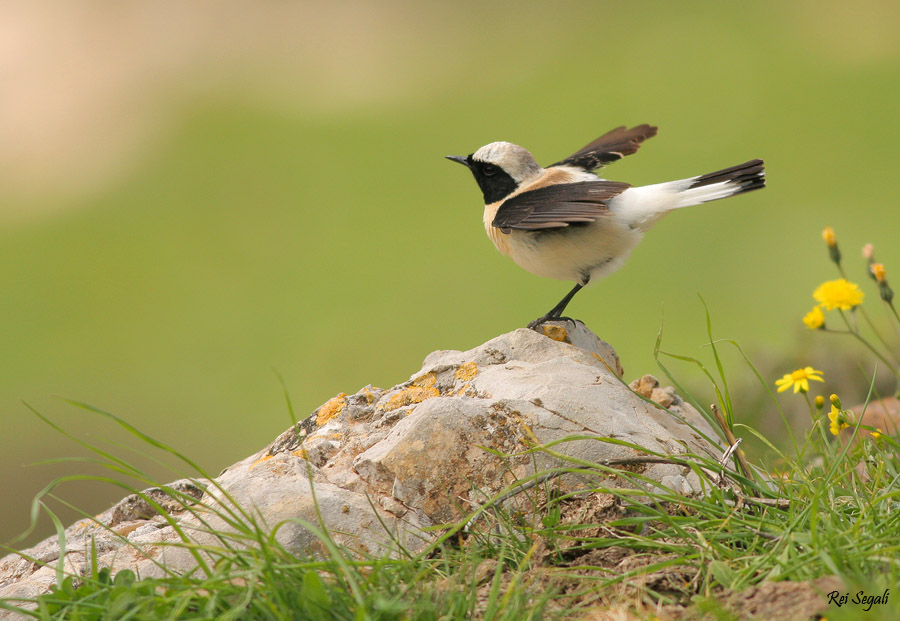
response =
{"points": [[566, 222]]}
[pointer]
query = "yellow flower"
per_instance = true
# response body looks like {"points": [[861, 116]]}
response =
{"points": [[876, 434], [838, 420], [838, 293], [799, 379], [831, 240], [878, 272], [814, 319]]}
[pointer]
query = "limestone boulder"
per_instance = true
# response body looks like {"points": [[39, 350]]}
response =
{"points": [[378, 466]]}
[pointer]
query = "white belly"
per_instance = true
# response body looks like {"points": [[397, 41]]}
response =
{"points": [[573, 253]]}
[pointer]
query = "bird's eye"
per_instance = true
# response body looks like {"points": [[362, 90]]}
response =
{"points": [[489, 170]]}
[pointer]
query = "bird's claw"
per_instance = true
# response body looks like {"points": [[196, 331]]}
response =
{"points": [[534, 325]]}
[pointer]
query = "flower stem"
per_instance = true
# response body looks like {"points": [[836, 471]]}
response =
{"points": [[894, 310], [812, 408], [817, 422], [865, 316], [892, 367]]}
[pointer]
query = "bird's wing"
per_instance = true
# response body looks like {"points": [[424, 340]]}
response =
{"points": [[556, 206], [609, 147]]}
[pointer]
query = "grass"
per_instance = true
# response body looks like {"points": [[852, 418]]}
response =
{"points": [[824, 511], [825, 508]]}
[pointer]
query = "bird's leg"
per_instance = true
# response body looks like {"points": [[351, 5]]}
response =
{"points": [[557, 311]]}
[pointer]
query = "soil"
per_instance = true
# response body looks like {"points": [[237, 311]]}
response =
{"points": [[668, 591]]}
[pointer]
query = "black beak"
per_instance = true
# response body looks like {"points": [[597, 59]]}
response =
{"points": [[459, 159]]}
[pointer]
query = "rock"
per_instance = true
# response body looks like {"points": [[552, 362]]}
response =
{"points": [[422, 453], [648, 386], [881, 414]]}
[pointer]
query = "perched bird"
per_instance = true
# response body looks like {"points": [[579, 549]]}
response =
{"points": [[565, 222]]}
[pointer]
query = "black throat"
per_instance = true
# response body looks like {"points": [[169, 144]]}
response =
{"points": [[496, 186]]}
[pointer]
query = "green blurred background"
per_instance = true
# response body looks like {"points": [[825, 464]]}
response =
{"points": [[197, 197]]}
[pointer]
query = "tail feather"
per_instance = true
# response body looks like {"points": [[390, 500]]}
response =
{"points": [[642, 206], [723, 183], [750, 173]]}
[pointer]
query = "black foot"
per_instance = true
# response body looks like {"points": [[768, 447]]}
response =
{"points": [[555, 313], [534, 325]]}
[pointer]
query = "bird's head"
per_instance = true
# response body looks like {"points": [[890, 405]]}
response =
{"points": [[499, 168]]}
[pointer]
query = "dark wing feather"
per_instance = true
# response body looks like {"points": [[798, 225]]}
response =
{"points": [[556, 206], [609, 147]]}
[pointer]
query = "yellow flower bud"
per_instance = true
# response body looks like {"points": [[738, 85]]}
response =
{"points": [[835, 401], [878, 272], [834, 253], [820, 402]]}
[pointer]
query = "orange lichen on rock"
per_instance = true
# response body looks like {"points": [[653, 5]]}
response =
{"points": [[466, 371], [465, 390], [422, 388], [413, 394], [332, 408], [557, 333], [261, 459], [302, 453], [425, 381]]}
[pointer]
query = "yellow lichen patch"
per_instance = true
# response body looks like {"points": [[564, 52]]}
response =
{"points": [[413, 394], [425, 381], [302, 453], [332, 408], [370, 396], [557, 333], [466, 371], [261, 459]]}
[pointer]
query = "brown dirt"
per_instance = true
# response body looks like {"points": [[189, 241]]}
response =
{"points": [[564, 569]]}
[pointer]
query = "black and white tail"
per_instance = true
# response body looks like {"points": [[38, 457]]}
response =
{"points": [[642, 206], [723, 183]]}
